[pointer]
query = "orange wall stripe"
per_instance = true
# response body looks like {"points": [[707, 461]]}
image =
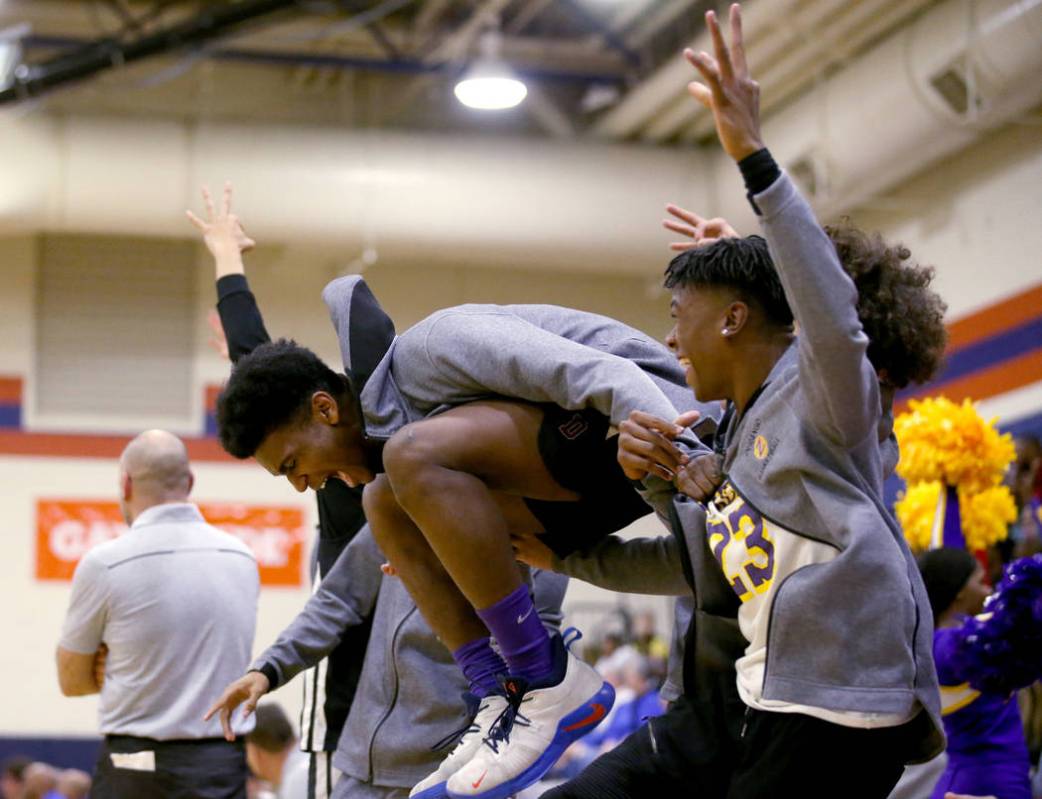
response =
{"points": [[212, 392], [999, 379], [11, 390], [996, 318], [57, 445]]}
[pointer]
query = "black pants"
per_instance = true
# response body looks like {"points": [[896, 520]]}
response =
{"points": [[205, 769], [684, 753]]}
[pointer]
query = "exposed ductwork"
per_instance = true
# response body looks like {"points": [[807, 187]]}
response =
{"points": [[108, 52], [478, 200], [931, 89]]}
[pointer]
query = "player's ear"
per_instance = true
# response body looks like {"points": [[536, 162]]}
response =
{"points": [[735, 318], [324, 408]]}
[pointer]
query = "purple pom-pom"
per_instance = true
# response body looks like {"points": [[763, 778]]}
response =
{"points": [[1000, 650]]}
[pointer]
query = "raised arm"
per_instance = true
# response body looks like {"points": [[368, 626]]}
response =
{"points": [[223, 234], [834, 369]]}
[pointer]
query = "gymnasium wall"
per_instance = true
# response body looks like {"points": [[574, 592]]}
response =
{"points": [[976, 218]]}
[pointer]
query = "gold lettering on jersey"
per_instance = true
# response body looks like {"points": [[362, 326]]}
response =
{"points": [[741, 543]]}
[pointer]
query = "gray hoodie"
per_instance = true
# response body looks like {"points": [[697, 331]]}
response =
{"points": [[807, 457], [532, 353], [408, 695]]}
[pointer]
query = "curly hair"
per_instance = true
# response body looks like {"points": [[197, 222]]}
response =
{"points": [[269, 388], [742, 264], [901, 315]]}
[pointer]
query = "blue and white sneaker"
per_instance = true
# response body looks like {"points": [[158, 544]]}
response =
{"points": [[542, 719], [483, 714]]}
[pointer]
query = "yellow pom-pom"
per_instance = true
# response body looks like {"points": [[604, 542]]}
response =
{"points": [[985, 516], [916, 510], [953, 444]]}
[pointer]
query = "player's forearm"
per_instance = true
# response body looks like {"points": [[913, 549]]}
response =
{"points": [[636, 566], [228, 261]]}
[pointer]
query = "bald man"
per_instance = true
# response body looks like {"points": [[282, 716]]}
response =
{"points": [[170, 607]]}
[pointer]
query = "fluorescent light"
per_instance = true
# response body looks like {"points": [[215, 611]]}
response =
{"points": [[489, 84], [490, 90]]}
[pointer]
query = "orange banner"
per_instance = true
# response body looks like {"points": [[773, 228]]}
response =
{"points": [[66, 529]]}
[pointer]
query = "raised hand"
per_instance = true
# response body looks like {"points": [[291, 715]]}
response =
{"points": [[727, 90], [222, 231], [702, 232], [249, 689]]}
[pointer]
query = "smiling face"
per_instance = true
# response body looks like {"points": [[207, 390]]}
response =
{"points": [[701, 315], [310, 450]]}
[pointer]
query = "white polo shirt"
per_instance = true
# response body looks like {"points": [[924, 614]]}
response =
{"points": [[175, 601]]}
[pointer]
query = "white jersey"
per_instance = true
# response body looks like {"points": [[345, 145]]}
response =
{"points": [[756, 556]]}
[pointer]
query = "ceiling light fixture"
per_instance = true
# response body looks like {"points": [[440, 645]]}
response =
{"points": [[489, 84], [11, 66]]}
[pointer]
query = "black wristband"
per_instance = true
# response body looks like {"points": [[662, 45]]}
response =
{"points": [[759, 171], [231, 284]]}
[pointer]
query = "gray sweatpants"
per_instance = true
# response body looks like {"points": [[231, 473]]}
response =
{"points": [[348, 787]]}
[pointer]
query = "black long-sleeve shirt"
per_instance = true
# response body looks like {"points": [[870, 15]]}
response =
{"points": [[340, 517]]}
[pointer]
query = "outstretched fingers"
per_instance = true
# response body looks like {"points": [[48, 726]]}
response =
{"points": [[226, 199], [199, 224], [741, 68], [723, 54], [687, 216], [208, 202]]}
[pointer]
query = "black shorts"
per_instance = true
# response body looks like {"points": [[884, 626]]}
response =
{"points": [[581, 457]]}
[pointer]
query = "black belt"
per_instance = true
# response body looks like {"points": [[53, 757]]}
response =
{"points": [[156, 743]]}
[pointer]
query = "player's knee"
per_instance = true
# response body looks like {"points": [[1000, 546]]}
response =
{"points": [[410, 463]]}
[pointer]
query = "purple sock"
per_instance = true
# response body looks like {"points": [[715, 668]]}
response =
{"points": [[519, 631], [480, 665]]}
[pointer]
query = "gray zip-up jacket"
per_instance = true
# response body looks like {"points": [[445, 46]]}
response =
{"points": [[408, 695], [533, 353], [807, 456]]}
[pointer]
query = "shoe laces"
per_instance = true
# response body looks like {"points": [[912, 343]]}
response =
{"points": [[500, 729], [457, 736]]}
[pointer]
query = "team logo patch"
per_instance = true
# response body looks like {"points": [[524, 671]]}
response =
{"points": [[760, 448], [574, 427]]}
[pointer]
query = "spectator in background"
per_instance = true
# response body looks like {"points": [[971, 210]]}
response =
{"points": [[986, 749], [647, 639], [40, 781], [167, 610], [273, 755], [73, 784], [1026, 534], [13, 776]]}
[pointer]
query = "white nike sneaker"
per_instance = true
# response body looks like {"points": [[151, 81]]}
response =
{"points": [[485, 712], [538, 725]]}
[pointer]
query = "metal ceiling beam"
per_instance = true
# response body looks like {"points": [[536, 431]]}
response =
{"points": [[404, 65], [108, 52]]}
